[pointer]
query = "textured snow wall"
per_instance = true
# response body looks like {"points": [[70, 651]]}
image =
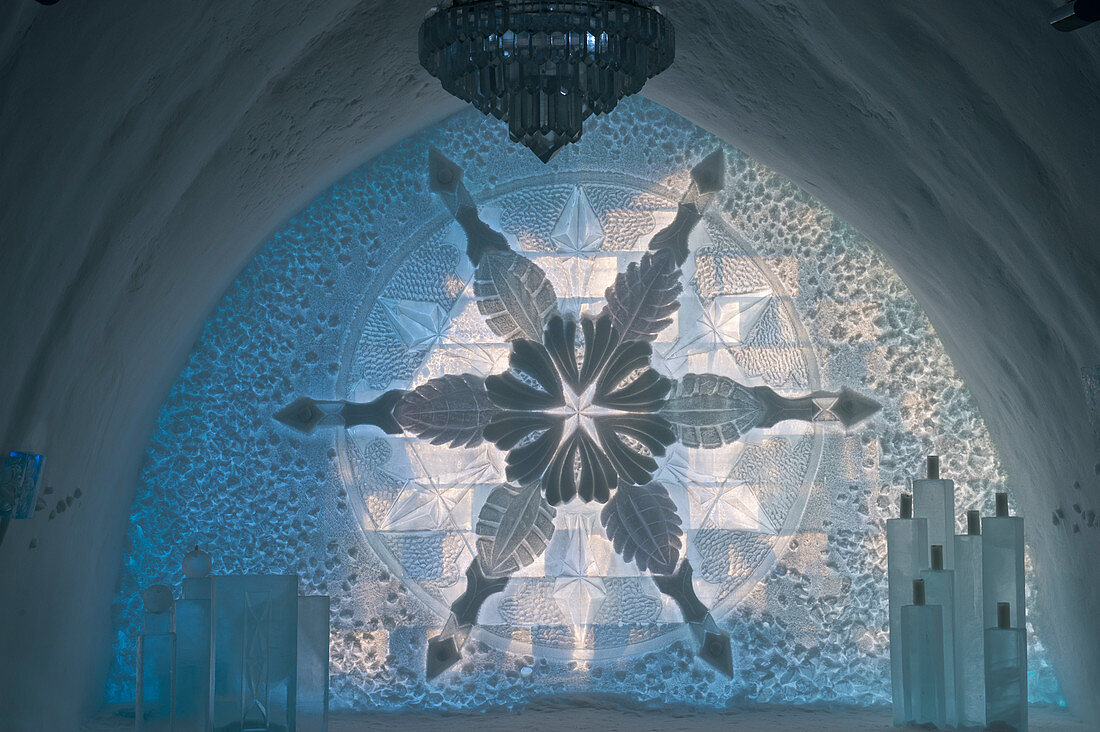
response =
{"points": [[800, 579]]}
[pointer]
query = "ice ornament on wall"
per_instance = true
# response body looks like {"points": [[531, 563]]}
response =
{"points": [[372, 292], [594, 396]]}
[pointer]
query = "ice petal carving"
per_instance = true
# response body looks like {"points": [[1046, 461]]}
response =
{"points": [[513, 528], [643, 298], [529, 462], [642, 524], [708, 410], [579, 468], [600, 340], [514, 295], [452, 410], [540, 390], [628, 384]]}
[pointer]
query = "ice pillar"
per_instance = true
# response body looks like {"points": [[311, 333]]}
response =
{"points": [[906, 556], [922, 665], [970, 624], [939, 588], [313, 637], [156, 664], [1003, 564], [934, 500], [1006, 673], [193, 633]]}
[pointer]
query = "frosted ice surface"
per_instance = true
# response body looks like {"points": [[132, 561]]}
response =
{"points": [[804, 602]]}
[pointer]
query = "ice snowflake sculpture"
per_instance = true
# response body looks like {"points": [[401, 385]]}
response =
{"points": [[581, 413]]}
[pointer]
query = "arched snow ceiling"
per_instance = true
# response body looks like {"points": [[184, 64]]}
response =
{"points": [[149, 148]]}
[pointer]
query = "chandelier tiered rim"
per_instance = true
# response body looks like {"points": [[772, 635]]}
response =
{"points": [[542, 66]]}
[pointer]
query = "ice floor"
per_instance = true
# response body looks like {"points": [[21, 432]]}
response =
{"points": [[608, 716]]}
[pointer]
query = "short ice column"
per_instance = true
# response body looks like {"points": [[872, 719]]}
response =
{"points": [[156, 664], [922, 665], [970, 624], [906, 556], [934, 500], [939, 588], [1003, 564], [193, 628], [313, 635], [1006, 673]]}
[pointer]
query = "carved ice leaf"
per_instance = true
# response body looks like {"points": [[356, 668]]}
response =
{"points": [[708, 410], [513, 528], [452, 410], [643, 298], [514, 295], [642, 524]]}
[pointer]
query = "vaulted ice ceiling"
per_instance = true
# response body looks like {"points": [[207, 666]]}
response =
{"points": [[149, 149]]}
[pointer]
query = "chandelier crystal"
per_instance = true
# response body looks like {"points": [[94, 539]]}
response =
{"points": [[543, 66]]}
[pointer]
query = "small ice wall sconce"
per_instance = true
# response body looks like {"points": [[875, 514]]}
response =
{"points": [[20, 478]]}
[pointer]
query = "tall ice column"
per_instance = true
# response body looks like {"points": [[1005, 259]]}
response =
{"points": [[939, 588], [193, 634], [906, 556], [156, 663], [934, 499], [970, 624], [1003, 564]]}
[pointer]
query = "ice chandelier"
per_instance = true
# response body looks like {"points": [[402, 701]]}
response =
{"points": [[544, 67]]}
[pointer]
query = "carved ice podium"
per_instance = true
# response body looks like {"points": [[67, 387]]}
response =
{"points": [[237, 653]]}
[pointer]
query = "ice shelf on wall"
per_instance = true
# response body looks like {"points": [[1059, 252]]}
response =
{"points": [[954, 663], [369, 290]]}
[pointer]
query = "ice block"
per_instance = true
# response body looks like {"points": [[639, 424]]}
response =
{"points": [[1006, 673], [254, 653], [1003, 564], [934, 500], [969, 624], [939, 589], [922, 664], [906, 556], [313, 658]]}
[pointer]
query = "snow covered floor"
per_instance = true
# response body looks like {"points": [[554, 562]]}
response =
{"points": [[577, 715]]}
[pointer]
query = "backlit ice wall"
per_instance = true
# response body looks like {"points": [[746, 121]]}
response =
{"points": [[368, 289]]}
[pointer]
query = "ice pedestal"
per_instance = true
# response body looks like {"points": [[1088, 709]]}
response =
{"points": [[922, 660], [1006, 674], [969, 625], [906, 556], [939, 588], [254, 653], [934, 500], [1003, 564]]}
